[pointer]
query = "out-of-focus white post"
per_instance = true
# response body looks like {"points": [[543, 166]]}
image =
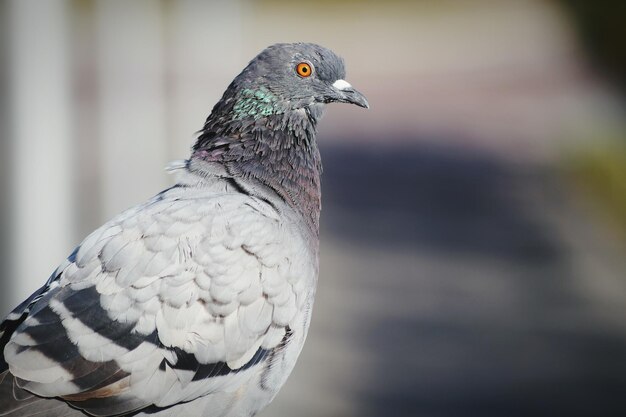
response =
{"points": [[39, 103], [204, 55], [131, 83]]}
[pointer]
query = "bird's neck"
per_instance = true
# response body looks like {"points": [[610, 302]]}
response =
{"points": [[277, 149]]}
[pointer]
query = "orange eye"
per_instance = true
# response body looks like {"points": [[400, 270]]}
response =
{"points": [[303, 69]]}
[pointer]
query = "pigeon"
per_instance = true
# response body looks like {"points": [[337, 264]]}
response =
{"points": [[198, 301]]}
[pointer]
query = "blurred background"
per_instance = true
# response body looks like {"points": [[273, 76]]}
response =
{"points": [[474, 221]]}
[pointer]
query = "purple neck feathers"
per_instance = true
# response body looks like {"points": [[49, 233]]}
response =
{"points": [[279, 150]]}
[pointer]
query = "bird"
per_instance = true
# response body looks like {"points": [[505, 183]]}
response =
{"points": [[196, 302]]}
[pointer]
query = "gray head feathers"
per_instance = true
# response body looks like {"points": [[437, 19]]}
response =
{"points": [[271, 84]]}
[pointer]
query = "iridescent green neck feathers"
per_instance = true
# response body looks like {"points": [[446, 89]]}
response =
{"points": [[255, 103]]}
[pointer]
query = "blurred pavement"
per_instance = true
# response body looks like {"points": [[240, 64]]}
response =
{"points": [[442, 295]]}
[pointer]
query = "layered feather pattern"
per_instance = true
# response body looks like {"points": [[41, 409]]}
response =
{"points": [[178, 298]]}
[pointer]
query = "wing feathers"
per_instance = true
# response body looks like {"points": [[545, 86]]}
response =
{"points": [[170, 301]]}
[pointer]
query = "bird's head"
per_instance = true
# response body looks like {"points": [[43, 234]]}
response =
{"points": [[292, 76]]}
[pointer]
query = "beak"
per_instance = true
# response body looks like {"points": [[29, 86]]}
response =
{"points": [[345, 93]]}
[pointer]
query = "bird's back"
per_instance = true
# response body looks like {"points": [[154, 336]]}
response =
{"points": [[204, 292]]}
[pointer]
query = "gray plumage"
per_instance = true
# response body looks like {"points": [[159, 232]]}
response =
{"points": [[197, 302]]}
